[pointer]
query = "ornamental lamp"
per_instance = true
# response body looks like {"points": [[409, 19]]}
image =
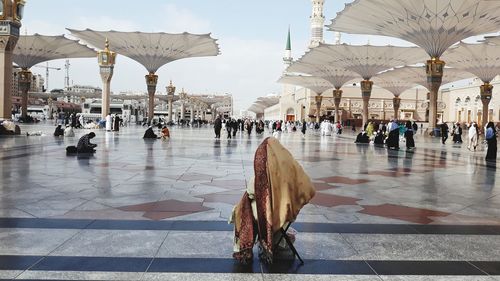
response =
{"points": [[106, 57], [12, 10], [170, 89]]}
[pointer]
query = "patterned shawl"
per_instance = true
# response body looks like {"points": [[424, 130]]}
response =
{"points": [[281, 189]]}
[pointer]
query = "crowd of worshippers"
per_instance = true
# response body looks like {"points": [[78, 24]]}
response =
{"points": [[233, 126], [474, 132], [389, 134]]}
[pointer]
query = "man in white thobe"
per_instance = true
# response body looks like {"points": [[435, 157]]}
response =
{"points": [[109, 123]]}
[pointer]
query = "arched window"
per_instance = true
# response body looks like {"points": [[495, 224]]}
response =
{"points": [[290, 111]]}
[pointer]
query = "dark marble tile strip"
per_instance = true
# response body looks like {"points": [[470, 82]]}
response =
{"points": [[224, 226], [44, 223], [108, 264], [218, 265], [426, 268]]}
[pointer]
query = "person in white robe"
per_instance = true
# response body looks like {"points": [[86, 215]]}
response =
{"points": [[109, 123], [69, 132]]}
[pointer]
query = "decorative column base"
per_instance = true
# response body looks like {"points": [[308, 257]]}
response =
{"points": [[434, 70], [396, 104], [486, 95], [151, 82], [318, 100], [337, 97], [366, 92]]}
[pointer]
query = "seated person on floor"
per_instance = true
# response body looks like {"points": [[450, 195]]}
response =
{"points": [[69, 132], [150, 134], [59, 132], [379, 138], [274, 197], [84, 144], [362, 138], [165, 133], [34, 133], [9, 128]]}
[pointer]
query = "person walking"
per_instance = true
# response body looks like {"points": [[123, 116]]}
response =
{"points": [[410, 142], [473, 134], [304, 128], [217, 127], [444, 132], [457, 133], [491, 139]]}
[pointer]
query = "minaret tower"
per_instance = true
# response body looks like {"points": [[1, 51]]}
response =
{"points": [[317, 23], [287, 59]]}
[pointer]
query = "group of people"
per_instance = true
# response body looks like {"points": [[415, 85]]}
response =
{"points": [[232, 126], [150, 134], [113, 123], [490, 136], [389, 134], [328, 128]]}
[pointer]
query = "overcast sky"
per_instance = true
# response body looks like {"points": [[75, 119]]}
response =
{"points": [[251, 35]]}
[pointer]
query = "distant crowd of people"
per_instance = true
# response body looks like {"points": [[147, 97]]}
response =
{"points": [[389, 134], [474, 132]]}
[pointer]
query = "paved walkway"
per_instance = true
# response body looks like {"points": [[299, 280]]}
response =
{"points": [[157, 210]]}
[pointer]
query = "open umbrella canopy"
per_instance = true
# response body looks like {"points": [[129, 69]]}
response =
{"points": [[152, 50], [316, 84], [365, 60], [34, 49], [337, 76], [434, 25], [482, 60], [417, 75]]}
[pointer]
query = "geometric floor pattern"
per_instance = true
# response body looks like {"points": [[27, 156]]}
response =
{"points": [[158, 210]]}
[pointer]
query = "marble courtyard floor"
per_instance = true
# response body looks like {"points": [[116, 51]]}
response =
{"points": [[158, 210]]}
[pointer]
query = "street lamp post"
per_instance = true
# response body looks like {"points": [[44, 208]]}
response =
{"points": [[11, 13], [434, 69], [151, 82], [25, 77], [106, 60], [170, 97], [366, 91], [486, 94], [318, 99], [337, 96]]}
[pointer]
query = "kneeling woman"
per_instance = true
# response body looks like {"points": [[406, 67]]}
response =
{"points": [[273, 200]]}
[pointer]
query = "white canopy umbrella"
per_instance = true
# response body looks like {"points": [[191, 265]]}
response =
{"points": [[434, 25]]}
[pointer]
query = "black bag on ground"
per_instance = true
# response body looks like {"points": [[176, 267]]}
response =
{"points": [[71, 150]]}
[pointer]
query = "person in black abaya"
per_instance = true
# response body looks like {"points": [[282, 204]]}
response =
{"points": [[149, 134], [217, 127]]}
